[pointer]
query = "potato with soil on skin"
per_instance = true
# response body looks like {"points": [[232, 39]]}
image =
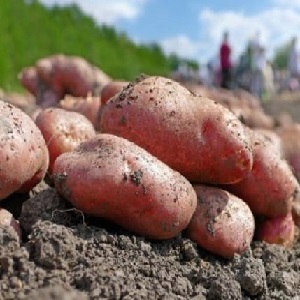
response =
{"points": [[111, 89], [255, 118], [24, 155], [112, 178], [7, 219], [222, 223], [273, 138], [279, 230], [195, 136], [270, 187], [63, 131]]}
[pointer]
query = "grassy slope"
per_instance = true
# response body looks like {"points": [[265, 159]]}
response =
{"points": [[31, 31]]}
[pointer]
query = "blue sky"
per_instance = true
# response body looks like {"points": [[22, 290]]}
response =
{"points": [[193, 28]]}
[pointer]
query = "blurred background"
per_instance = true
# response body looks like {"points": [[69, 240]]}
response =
{"points": [[124, 38]]}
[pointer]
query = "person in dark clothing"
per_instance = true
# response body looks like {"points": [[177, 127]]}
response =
{"points": [[225, 62]]}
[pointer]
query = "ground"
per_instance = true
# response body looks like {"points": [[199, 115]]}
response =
{"points": [[67, 255]]}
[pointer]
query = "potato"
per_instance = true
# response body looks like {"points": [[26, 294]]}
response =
{"points": [[50, 71], [111, 89], [29, 79], [70, 73], [279, 230], [255, 118], [112, 178], [88, 107], [273, 138], [222, 223], [7, 219], [195, 136], [63, 131], [58, 75], [270, 186], [23, 153]]}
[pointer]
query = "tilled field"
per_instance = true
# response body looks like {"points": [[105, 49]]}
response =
{"points": [[70, 256]]}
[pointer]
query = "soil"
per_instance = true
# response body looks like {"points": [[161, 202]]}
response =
{"points": [[65, 254]]}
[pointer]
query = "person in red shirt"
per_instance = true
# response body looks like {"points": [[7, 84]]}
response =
{"points": [[225, 62]]}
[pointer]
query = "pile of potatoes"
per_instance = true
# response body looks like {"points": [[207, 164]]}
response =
{"points": [[159, 161], [53, 77]]}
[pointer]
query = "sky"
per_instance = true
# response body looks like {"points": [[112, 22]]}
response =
{"points": [[193, 28]]}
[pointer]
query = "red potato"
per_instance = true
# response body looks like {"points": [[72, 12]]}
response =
{"points": [[50, 71], [222, 223], [63, 131], [112, 178], [24, 156], [270, 186], [70, 73], [111, 89], [279, 230], [29, 79], [7, 219], [55, 76], [88, 107], [193, 135], [273, 138], [255, 118]]}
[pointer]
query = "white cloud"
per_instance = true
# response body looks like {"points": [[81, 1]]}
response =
{"points": [[287, 3], [275, 25], [181, 45], [105, 11]]}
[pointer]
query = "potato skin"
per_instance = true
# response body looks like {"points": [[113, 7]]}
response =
{"points": [[222, 223], [63, 131], [270, 187], [279, 230], [88, 107], [24, 156], [111, 89], [113, 178], [195, 136]]}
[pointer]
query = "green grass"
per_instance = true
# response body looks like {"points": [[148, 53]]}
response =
{"points": [[31, 31]]}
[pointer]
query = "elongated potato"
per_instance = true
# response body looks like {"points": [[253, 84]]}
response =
{"points": [[193, 135], [24, 155], [270, 187], [222, 223], [113, 178]]}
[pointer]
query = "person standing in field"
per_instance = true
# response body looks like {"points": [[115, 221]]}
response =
{"points": [[259, 65], [294, 65], [225, 62]]}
